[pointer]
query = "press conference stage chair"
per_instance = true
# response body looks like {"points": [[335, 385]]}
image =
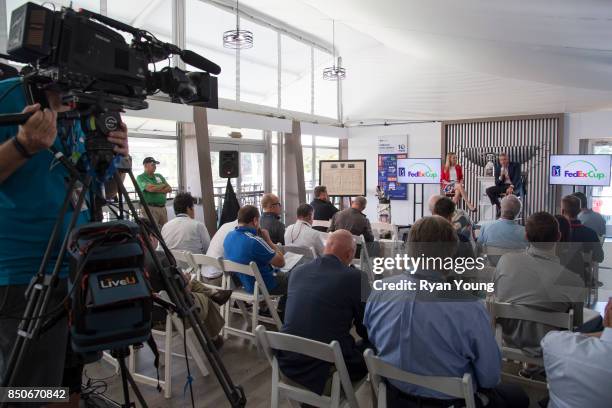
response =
{"points": [[458, 387], [342, 390]]}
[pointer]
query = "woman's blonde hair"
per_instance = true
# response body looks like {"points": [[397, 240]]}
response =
{"points": [[448, 157]]}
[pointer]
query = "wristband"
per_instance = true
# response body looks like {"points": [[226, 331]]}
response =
{"points": [[21, 149]]}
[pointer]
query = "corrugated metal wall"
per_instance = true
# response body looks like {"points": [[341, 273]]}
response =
{"points": [[528, 141]]}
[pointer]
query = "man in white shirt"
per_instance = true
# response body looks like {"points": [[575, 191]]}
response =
{"points": [[302, 234], [210, 274], [184, 233], [579, 367]]}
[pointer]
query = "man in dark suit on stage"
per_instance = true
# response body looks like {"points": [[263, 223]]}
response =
{"points": [[507, 179]]}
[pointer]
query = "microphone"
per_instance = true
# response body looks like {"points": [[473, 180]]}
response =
{"points": [[191, 58]]}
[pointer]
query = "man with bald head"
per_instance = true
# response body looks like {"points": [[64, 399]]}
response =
{"points": [[326, 297], [505, 232], [270, 218], [353, 219]]}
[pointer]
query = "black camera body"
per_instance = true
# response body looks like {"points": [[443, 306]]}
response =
{"points": [[85, 52]]}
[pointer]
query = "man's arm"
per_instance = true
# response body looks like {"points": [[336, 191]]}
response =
{"points": [[367, 233], [204, 237], [37, 134], [278, 260]]}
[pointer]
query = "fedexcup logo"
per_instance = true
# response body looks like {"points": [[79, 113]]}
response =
{"points": [[578, 169], [417, 170]]}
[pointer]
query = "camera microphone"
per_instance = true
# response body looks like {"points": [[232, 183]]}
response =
{"points": [[191, 58]]}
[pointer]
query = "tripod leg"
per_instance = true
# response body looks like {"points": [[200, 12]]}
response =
{"points": [[124, 381], [139, 396]]}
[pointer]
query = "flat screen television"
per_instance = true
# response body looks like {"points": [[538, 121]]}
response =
{"points": [[580, 170]]}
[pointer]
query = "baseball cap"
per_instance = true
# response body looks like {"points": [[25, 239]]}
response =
{"points": [[149, 160]]}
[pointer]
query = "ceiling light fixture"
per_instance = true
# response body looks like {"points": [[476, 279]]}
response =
{"points": [[238, 39], [335, 72]]}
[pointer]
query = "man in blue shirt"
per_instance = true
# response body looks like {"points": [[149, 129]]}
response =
{"points": [[588, 217], [249, 243], [32, 189], [436, 333], [505, 232]]}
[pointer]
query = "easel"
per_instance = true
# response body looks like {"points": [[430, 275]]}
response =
{"points": [[415, 202]]}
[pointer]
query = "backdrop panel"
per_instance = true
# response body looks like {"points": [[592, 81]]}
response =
{"points": [[528, 140]]}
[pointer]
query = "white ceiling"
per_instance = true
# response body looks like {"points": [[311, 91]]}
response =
{"points": [[449, 59]]}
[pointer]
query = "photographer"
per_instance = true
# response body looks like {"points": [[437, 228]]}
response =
{"points": [[33, 186]]}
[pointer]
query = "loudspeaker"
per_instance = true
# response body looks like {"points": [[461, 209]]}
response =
{"points": [[229, 164]]}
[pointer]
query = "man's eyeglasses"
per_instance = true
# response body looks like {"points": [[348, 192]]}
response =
{"points": [[279, 204]]}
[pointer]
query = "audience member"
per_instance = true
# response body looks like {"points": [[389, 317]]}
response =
{"points": [[588, 217], [210, 274], [445, 208], [564, 228], [301, 233], [183, 232], [579, 367], [536, 278], [202, 295], [586, 242], [270, 219], [436, 333], [459, 219], [323, 209], [326, 298], [250, 243], [154, 190], [505, 232], [353, 219]]}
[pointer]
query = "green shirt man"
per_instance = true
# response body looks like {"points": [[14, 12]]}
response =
{"points": [[154, 189]]}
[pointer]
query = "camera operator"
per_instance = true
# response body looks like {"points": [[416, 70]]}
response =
{"points": [[33, 186]]}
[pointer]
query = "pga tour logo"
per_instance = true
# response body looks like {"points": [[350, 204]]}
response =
{"points": [[578, 169], [401, 172]]}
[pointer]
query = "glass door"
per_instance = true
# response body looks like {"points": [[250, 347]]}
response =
{"points": [[249, 186]]}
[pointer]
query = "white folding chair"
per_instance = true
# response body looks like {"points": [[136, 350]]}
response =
{"points": [[385, 227], [321, 223], [241, 296], [202, 260], [308, 252], [174, 326], [342, 391], [458, 387], [185, 261], [501, 310]]}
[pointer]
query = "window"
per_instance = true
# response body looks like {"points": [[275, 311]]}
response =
{"points": [[205, 25], [151, 15], [323, 148], [163, 150], [295, 75], [259, 66], [325, 92]]}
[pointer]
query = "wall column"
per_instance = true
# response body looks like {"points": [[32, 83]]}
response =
{"points": [[294, 189]]}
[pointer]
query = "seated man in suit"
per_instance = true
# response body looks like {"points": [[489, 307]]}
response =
{"points": [[326, 298], [353, 220], [507, 180]]}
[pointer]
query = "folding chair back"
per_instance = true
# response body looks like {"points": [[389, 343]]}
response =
{"points": [[494, 253], [385, 227], [208, 261], [298, 249], [185, 261], [241, 296], [321, 223], [458, 387], [342, 392], [500, 310]]}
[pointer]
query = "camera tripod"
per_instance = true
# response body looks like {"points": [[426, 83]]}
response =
{"points": [[39, 291]]}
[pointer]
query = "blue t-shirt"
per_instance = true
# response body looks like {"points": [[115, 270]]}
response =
{"points": [[30, 201], [242, 246]]}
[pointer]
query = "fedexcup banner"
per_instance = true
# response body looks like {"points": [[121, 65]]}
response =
{"points": [[580, 169], [419, 171]]}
